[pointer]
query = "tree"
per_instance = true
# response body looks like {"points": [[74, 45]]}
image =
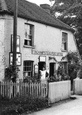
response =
{"points": [[11, 73], [74, 64], [70, 13]]}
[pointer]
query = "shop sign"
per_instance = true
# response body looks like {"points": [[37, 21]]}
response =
{"points": [[17, 43], [35, 52], [18, 58]]}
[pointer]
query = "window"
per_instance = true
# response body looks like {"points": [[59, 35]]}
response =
{"points": [[28, 40], [27, 68], [64, 41]]}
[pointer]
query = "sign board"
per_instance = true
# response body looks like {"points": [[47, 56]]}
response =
{"points": [[11, 58], [18, 58], [35, 52], [17, 44]]}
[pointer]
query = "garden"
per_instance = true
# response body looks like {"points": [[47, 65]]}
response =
{"points": [[19, 105]]}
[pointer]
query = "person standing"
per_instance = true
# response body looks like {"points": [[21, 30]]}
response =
{"points": [[44, 74], [43, 78]]}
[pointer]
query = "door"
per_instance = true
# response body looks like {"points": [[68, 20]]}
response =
{"points": [[41, 65], [52, 69]]}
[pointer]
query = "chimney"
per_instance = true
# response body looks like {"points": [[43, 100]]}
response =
{"points": [[46, 7]]}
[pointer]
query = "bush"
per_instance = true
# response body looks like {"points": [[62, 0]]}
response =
{"points": [[11, 73], [79, 74], [31, 79], [20, 105]]}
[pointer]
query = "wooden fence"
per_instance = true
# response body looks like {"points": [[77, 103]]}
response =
{"points": [[10, 90]]}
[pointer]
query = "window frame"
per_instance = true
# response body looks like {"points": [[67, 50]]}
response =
{"points": [[64, 41], [26, 67], [30, 42]]}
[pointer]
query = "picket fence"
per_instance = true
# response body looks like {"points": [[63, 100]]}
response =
{"points": [[36, 89]]}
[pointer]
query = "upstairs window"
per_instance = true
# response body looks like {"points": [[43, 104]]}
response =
{"points": [[28, 40], [64, 41]]}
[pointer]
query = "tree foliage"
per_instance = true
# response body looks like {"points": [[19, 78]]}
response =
{"points": [[74, 64], [70, 13], [11, 73]]}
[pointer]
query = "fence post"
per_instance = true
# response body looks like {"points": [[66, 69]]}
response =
{"points": [[48, 93], [11, 89], [17, 86]]}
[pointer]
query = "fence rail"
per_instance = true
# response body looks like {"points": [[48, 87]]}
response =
{"points": [[36, 89]]}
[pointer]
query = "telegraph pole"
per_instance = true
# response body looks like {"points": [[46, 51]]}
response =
{"points": [[14, 39], [15, 31]]}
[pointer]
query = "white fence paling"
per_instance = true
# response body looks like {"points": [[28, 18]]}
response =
{"points": [[10, 90]]}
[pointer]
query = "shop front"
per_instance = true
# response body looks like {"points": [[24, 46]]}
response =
{"points": [[48, 60]]}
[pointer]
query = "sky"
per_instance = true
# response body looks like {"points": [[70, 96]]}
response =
{"points": [[38, 2]]}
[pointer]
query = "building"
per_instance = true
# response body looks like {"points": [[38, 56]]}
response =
{"points": [[42, 39]]}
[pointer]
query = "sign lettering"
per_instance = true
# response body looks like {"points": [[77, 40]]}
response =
{"points": [[35, 52]]}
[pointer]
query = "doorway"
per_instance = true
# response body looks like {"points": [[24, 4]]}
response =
{"points": [[41, 65], [52, 69]]}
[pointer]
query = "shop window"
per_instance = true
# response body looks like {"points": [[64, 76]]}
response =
{"points": [[28, 68], [64, 41], [28, 39]]}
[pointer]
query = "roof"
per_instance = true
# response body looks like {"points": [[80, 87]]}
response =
{"points": [[33, 12]]}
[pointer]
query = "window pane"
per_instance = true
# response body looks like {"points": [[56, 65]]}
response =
{"points": [[30, 37], [29, 63], [24, 63], [25, 42], [28, 68], [64, 37], [28, 42], [28, 29], [65, 46], [29, 73], [64, 41]]}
